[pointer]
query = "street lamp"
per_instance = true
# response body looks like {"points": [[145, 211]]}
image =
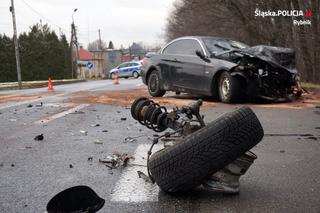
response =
{"points": [[75, 10], [73, 36]]}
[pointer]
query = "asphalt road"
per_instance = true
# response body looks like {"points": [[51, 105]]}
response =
{"points": [[284, 178]]}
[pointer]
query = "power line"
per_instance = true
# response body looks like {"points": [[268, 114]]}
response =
{"points": [[35, 11]]}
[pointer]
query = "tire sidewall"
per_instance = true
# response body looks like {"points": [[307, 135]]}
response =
{"points": [[157, 91], [135, 74]]}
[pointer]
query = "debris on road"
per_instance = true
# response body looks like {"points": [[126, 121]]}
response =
{"points": [[30, 105], [116, 160], [39, 137], [13, 119], [225, 171], [1, 164], [70, 166], [98, 141], [144, 177], [12, 165], [90, 158], [130, 139], [84, 132], [104, 130], [123, 119], [39, 105], [282, 151], [95, 125], [28, 147]]}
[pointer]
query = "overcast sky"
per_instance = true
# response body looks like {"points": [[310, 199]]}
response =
{"points": [[122, 21]]}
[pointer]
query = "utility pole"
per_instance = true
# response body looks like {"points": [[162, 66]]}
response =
{"points": [[71, 49], [16, 43], [100, 45], [100, 48]]}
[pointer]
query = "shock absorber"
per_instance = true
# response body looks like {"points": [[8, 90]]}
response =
{"points": [[156, 117], [149, 114]]}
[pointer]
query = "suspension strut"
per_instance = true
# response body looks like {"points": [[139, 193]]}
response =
{"points": [[157, 118]]}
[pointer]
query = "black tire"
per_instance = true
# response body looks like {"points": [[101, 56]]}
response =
{"points": [[135, 74], [229, 88], [154, 86], [187, 164], [112, 76]]}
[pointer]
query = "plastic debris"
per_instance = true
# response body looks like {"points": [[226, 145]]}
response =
{"points": [[98, 141], [84, 132], [130, 140], [95, 125], [117, 159], [39, 137], [39, 105], [123, 119]]}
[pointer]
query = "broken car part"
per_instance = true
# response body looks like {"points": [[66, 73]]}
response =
{"points": [[39, 137], [214, 155], [223, 68], [75, 199]]}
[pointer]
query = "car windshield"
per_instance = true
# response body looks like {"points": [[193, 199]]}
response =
{"points": [[218, 46]]}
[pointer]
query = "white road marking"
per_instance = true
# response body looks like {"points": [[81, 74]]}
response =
{"points": [[61, 114], [131, 188]]}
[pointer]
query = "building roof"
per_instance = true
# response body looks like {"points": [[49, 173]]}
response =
{"points": [[85, 55]]}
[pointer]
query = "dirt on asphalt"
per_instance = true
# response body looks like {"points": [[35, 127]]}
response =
{"points": [[126, 97]]}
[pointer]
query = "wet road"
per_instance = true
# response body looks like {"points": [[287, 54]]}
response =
{"points": [[284, 178]]}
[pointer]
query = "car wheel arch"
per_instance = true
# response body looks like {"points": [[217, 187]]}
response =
{"points": [[150, 70]]}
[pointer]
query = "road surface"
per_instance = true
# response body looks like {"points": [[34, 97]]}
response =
{"points": [[284, 178]]}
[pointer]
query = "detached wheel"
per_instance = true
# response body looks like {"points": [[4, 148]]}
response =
{"points": [[135, 74], [229, 88], [154, 86], [186, 164]]}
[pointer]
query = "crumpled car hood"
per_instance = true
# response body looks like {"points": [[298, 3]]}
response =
{"points": [[278, 56]]}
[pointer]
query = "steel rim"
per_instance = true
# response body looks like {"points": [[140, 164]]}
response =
{"points": [[153, 83], [225, 87]]}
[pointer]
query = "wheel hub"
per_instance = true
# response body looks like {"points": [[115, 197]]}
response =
{"points": [[225, 87]]}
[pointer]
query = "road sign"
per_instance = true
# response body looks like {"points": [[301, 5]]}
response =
{"points": [[90, 65]]}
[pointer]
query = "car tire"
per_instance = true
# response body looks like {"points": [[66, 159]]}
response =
{"points": [[135, 74], [154, 86], [228, 88], [112, 76], [186, 164]]}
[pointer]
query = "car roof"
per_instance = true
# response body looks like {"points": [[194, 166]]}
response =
{"points": [[203, 37]]}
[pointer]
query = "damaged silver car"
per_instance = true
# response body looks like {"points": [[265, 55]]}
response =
{"points": [[221, 68]]}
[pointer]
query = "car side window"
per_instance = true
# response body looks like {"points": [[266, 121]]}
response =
{"points": [[183, 47], [122, 65]]}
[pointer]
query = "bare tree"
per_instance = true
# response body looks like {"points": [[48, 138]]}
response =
{"points": [[95, 45], [236, 20]]}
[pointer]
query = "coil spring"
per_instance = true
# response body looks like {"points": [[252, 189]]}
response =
{"points": [[149, 114]]}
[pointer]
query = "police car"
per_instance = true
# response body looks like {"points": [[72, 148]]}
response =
{"points": [[127, 69]]}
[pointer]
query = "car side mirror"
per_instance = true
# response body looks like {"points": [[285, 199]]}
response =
{"points": [[202, 56]]}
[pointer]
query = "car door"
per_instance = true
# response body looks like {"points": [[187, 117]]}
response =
{"points": [[186, 68], [123, 69]]}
